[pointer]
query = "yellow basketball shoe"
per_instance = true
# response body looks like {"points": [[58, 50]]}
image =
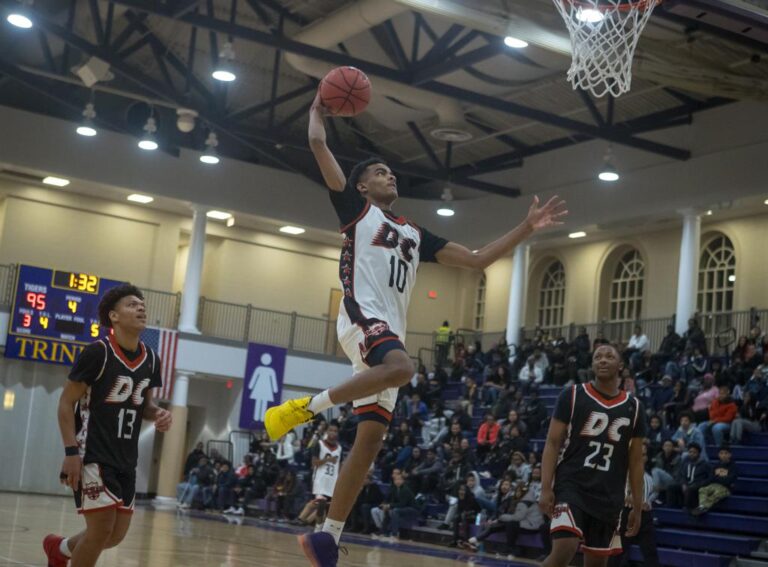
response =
{"points": [[279, 420]]}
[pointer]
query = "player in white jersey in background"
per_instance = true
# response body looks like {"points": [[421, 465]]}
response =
{"points": [[379, 259], [326, 461]]}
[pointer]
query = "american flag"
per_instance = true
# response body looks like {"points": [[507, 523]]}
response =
{"points": [[164, 343]]}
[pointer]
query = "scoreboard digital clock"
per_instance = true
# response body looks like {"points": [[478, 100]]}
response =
{"points": [[54, 314]]}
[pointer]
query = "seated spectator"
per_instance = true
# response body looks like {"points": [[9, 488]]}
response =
{"points": [[467, 509], [704, 399], [242, 470], [696, 368], [398, 508], [662, 395], [656, 436], [464, 419], [506, 499], [531, 373], [225, 484], [453, 435], [282, 497], [456, 471], [687, 433], [513, 420], [470, 396], [193, 459], [188, 489], [599, 340], [416, 412], [468, 453], [693, 474], [694, 338], [627, 382], [434, 428], [741, 348], [252, 487], [487, 435], [519, 467], [534, 413], [722, 412], [199, 489], [748, 419], [493, 386], [638, 344], [666, 467], [370, 497], [721, 480], [681, 400], [425, 477]]}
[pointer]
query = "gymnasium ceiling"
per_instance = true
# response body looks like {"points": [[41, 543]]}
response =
{"points": [[513, 105]]}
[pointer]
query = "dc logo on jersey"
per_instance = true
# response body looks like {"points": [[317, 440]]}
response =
{"points": [[597, 422], [124, 389], [92, 490], [388, 237]]}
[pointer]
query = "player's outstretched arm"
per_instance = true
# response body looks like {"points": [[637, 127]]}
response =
{"points": [[550, 214], [555, 439], [329, 167]]}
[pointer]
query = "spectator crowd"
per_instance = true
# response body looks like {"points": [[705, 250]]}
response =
{"points": [[488, 475]]}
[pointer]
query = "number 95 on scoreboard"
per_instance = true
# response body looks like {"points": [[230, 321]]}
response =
{"points": [[54, 314]]}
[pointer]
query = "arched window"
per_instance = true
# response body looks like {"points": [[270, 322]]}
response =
{"points": [[552, 296], [626, 301], [480, 304], [717, 275]]}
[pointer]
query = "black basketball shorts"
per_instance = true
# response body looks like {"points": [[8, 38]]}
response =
{"points": [[102, 487], [597, 536]]}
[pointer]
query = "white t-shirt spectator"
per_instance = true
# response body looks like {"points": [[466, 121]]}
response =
{"points": [[527, 374], [639, 342]]}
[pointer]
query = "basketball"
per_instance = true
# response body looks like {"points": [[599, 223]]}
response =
{"points": [[345, 91]]}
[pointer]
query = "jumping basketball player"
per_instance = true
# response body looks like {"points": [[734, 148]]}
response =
{"points": [[595, 440], [380, 255], [108, 393]]}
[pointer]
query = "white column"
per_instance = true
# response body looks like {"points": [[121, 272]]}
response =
{"points": [[180, 390], [190, 295], [516, 313], [687, 273]]}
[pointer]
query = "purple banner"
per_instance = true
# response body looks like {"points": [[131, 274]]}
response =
{"points": [[263, 384]]}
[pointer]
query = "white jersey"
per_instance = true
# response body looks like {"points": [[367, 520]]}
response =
{"points": [[324, 478], [379, 259]]}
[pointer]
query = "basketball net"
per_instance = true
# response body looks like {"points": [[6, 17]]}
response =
{"points": [[604, 36]]}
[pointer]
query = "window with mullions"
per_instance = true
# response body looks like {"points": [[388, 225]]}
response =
{"points": [[552, 296], [717, 276], [627, 286]]}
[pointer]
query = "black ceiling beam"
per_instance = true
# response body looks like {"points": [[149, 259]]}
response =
{"points": [[189, 76], [275, 76], [416, 36], [248, 111], [382, 39], [281, 10], [590, 104], [127, 32], [397, 47], [109, 24], [261, 12], [504, 138], [70, 23], [450, 65], [93, 5], [682, 97], [609, 110], [437, 50], [458, 93], [45, 47], [134, 47], [181, 7], [425, 145]]}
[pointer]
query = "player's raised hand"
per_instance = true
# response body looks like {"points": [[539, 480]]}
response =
{"points": [[633, 521], [547, 502], [317, 106], [163, 420], [550, 214], [71, 469]]}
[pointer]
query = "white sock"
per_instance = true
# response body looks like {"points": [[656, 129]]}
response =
{"points": [[334, 528], [320, 402], [64, 548]]}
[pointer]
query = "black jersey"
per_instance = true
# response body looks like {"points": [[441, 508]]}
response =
{"points": [[594, 462], [108, 417]]}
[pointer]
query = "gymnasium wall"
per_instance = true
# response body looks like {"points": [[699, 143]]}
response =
{"points": [[587, 266]]}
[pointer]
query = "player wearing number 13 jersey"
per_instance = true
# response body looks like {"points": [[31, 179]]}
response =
{"points": [[595, 441], [108, 393], [379, 258]]}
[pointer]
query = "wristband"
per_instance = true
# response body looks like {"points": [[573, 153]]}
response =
{"points": [[72, 451]]}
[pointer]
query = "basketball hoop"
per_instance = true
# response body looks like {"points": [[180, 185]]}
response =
{"points": [[604, 36]]}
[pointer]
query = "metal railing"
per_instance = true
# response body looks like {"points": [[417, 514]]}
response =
{"points": [[219, 447], [7, 278], [163, 308], [614, 331], [241, 445]]}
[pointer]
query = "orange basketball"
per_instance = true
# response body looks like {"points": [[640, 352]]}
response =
{"points": [[345, 91]]}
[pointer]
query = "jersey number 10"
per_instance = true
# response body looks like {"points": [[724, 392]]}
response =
{"points": [[398, 272]]}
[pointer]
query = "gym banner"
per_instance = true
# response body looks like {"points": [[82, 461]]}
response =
{"points": [[263, 385]]}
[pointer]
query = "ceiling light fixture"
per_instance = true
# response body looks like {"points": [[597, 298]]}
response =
{"points": [[732, 278], [139, 198], [765, 202], [515, 43], [590, 15], [210, 157], [446, 208], [20, 17], [218, 215], [56, 181], [608, 171], [148, 141], [292, 230], [86, 128], [578, 234], [709, 212], [224, 70]]}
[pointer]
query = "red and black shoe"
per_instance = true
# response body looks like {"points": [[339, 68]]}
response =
{"points": [[52, 548]]}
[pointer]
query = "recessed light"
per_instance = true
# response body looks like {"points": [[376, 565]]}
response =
{"points": [[292, 230], [87, 131], [732, 278], [19, 20], [579, 234], [218, 215], [765, 202], [139, 198], [709, 213], [445, 212], [57, 181], [514, 42]]}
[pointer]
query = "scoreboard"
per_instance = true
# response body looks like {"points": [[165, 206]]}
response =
{"points": [[54, 314]]}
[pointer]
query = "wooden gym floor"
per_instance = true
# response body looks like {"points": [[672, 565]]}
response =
{"points": [[166, 538]]}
